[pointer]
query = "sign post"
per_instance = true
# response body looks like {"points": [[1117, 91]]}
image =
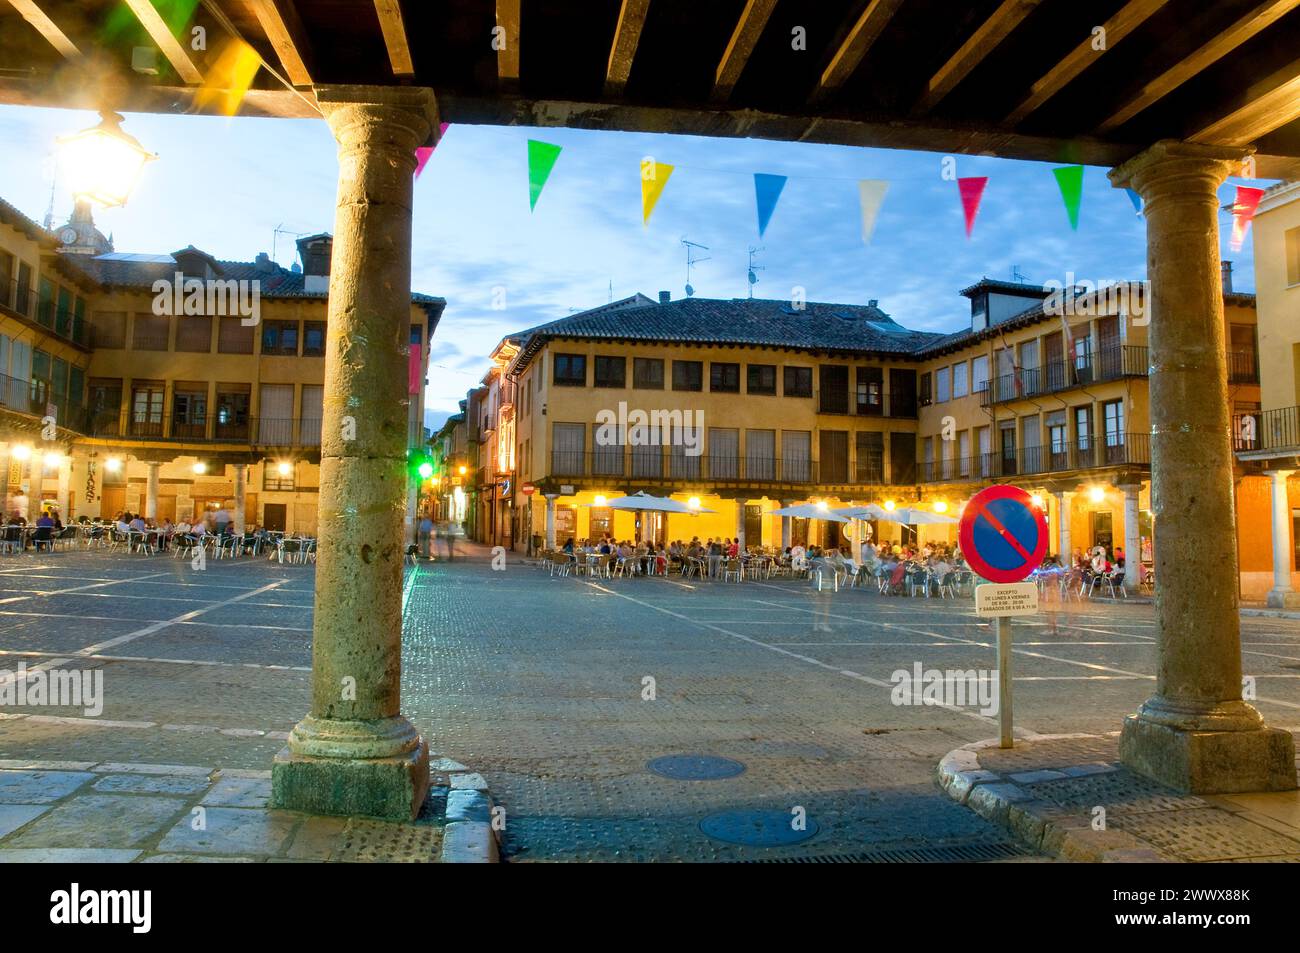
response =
{"points": [[1003, 537]]}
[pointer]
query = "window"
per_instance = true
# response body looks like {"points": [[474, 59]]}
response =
{"points": [[45, 303], [1083, 427], [416, 336], [150, 332], [313, 339], [963, 453], [275, 415], [798, 382], [648, 373], [943, 385], [313, 402], [834, 389], [870, 457], [796, 456], [108, 329], [63, 313], [960, 382], [724, 378], [1293, 266], [762, 379], [607, 449], [105, 406], [870, 392], [688, 375], [571, 370], [280, 337], [272, 480], [724, 452], [232, 410], [1113, 417], [194, 333], [234, 337], [834, 456], [23, 293], [146, 409], [979, 374], [568, 449], [76, 385], [760, 454], [189, 410], [926, 390], [611, 371]]}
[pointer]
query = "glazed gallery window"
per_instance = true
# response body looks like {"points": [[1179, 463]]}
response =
{"points": [[571, 370]]}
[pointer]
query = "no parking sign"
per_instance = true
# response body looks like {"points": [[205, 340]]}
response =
{"points": [[1003, 536]]}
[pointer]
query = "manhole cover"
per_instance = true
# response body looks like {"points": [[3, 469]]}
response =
{"points": [[758, 828], [695, 767]]}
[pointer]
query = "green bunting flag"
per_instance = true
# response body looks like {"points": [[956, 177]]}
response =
{"points": [[1070, 180], [541, 160]]}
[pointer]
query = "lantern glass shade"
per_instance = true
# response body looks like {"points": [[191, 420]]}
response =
{"points": [[102, 164]]}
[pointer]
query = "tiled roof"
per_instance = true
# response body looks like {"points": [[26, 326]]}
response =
{"points": [[10, 215], [739, 321], [116, 271]]}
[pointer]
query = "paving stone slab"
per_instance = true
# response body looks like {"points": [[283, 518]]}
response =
{"points": [[239, 792], [39, 787], [107, 821], [150, 784], [1206, 834], [117, 767], [67, 855], [231, 830], [14, 816]]}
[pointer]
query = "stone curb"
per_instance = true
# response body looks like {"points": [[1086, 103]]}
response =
{"points": [[1038, 824], [468, 837], [1261, 613]]}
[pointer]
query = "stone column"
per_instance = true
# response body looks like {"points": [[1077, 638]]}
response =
{"points": [[1064, 507], [550, 521], [354, 753], [65, 488], [241, 488], [412, 507], [1282, 595], [1132, 537], [785, 526], [151, 492], [1195, 733], [4, 480], [740, 523]]}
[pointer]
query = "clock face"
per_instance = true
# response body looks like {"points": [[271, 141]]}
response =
{"points": [[68, 236]]}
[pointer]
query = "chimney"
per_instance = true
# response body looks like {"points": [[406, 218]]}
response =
{"points": [[873, 302], [665, 297], [1226, 271], [315, 251], [263, 263]]}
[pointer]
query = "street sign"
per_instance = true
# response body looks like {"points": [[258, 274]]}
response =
{"points": [[527, 489], [1006, 599], [1003, 535]]}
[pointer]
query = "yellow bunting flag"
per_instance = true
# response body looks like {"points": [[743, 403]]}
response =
{"points": [[229, 78], [654, 176]]}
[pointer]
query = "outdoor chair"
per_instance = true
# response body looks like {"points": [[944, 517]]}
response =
{"points": [[11, 539], [948, 585], [918, 578], [895, 580], [733, 569], [1114, 583], [43, 538]]}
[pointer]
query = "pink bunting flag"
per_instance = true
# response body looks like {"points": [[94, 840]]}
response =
{"points": [[972, 190], [1243, 211], [423, 153]]}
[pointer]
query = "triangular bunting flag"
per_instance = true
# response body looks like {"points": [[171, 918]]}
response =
{"points": [[1243, 211], [1069, 179], [972, 190], [871, 193], [767, 190], [541, 160], [654, 176], [1135, 199], [422, 154]]}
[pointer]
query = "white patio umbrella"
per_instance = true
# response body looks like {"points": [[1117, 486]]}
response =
{"points": [[644, 501], [916, 517], [810, 511], [869, 512]]}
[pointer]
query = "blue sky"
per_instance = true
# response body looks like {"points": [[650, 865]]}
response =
{"points": [[225, 185]]}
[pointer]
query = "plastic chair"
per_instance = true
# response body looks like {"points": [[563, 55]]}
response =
{"points": [[733, 569]]}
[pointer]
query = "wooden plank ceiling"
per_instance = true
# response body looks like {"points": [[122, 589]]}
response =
{"points": [[1054, 80]]}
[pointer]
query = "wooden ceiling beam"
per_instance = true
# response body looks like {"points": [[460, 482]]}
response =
{"points": [[1270, 104], [1129, 17], [284, 31], [399, 49], [1220, 45], [631, 18], [739, 48], [161, 34], [508, 19], [979, 45], [870, 24], [41, 22]]}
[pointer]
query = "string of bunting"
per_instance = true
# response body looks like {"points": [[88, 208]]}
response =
{"points": [[768, 189]]}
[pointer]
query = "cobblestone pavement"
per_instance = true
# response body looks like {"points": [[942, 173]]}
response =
{"points": [[540, 684]]}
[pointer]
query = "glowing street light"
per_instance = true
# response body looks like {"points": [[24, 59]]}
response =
{"points": [[200, 468], [53, 458], [426, 470], [285, 468], [890, 505], [693, 502], [22, 452], [599, 500], [1037, 500], [113, 465], [940, 506], [464, 470], [1097, 494], [103, 163]]}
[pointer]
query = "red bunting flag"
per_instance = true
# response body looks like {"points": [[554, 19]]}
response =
{"points": [[423, 153], [1243, 211], [972, 190]]}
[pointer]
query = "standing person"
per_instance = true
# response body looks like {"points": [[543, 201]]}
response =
{"points": [[223, 517], [451, 540], [425, 532]]}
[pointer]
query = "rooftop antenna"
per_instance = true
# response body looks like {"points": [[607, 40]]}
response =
{"points": [[753, 278], [1016, 276], [611, 291], [691, 260], [49, 212], [281, 230]]}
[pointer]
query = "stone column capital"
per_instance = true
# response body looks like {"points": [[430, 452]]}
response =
{"points": [[1170, 168], [1279, 476], [402, 118]]}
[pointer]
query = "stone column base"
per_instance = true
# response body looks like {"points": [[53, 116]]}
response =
{"points": [[1209, 762], [1283, 599], [388, 788]]}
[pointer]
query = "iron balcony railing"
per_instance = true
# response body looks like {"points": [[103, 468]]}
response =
{"points": [[24, 300], [900, 406], [641, 464], [1277, 429], [1108, 364], [33, 397], [1113, 449], [213, 428], [1243, 367]]}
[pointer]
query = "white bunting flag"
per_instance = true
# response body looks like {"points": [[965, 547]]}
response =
{"points": [[871, 192]]}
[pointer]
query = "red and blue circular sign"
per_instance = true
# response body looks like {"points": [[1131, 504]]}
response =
{"points": [[1003, 535]]}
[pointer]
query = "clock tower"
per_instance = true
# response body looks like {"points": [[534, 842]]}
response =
{"points": [[80, 236]]}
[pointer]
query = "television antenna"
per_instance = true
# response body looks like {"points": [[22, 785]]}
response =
{"points": [[281, 230], [693, 259], [750, 275], [1017, 276]]}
